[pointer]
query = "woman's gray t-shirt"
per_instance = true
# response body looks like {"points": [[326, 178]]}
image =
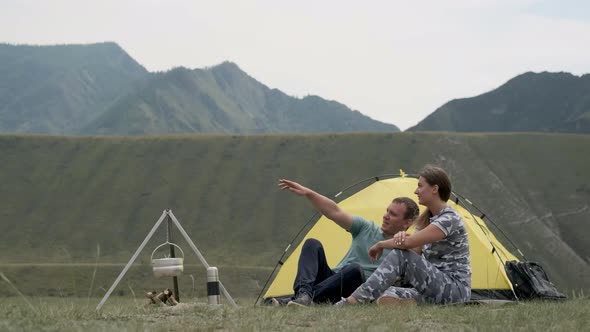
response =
{"points": [[451, 254]]}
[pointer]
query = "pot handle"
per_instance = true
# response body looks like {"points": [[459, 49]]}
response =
{"points": [[165, 243]]}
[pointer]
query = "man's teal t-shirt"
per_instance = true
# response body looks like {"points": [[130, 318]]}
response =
{"points": [[364, 235]]}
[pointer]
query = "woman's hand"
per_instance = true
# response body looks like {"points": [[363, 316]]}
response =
{"points": [[375, 252], [293, 186], [399, 239]]}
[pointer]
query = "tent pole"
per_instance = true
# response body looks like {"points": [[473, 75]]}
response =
{"points": [[494, 250]]}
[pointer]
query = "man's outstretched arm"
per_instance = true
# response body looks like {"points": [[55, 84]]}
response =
{"points": [[326, 206]]}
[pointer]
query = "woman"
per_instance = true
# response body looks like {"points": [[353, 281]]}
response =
{"points": [[443, 274]]}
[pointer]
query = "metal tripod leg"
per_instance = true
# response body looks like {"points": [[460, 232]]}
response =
{"points": [[132, 260]]}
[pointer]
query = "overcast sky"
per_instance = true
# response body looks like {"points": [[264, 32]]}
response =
{"points": [[395, 61]]}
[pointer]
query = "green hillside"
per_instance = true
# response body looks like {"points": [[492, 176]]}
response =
{"points": [[543, 102], [61, 196]]}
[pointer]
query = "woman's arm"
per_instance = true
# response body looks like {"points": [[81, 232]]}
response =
{"points": [[402, 240]]}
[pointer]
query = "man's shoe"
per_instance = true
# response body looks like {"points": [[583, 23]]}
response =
{"points": [[342, 303], [302, 300]]}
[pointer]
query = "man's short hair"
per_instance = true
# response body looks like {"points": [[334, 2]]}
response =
{"points": [[412, 209]]}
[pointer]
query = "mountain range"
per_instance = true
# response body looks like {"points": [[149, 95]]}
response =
{"points": [[99, 89], [541, 102]]}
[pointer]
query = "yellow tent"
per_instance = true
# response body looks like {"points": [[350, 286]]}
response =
{"points": [[489, 279]]}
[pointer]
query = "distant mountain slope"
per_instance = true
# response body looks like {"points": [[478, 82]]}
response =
{"points": [[61, 196], [100, 89], [55, 89], [546, 102], [224, 99]]}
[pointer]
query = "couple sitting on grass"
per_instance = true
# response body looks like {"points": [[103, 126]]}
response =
{"points": [[385, 264]]}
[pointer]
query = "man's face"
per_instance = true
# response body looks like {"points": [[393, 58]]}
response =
{"points": [[393, 219]]}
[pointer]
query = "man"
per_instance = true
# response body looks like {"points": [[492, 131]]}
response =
{"points": [[315, 280]]}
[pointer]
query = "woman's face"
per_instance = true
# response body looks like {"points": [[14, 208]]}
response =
{"points": [[425, 192]]}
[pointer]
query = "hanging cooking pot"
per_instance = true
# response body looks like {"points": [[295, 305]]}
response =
{"points": [[168, 266]]}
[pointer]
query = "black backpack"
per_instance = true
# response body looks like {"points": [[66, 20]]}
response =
{"points": [[530, 281]]}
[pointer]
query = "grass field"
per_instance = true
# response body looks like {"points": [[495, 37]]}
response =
{"points": [[76, 280], [81, 206], [128, 314]]}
